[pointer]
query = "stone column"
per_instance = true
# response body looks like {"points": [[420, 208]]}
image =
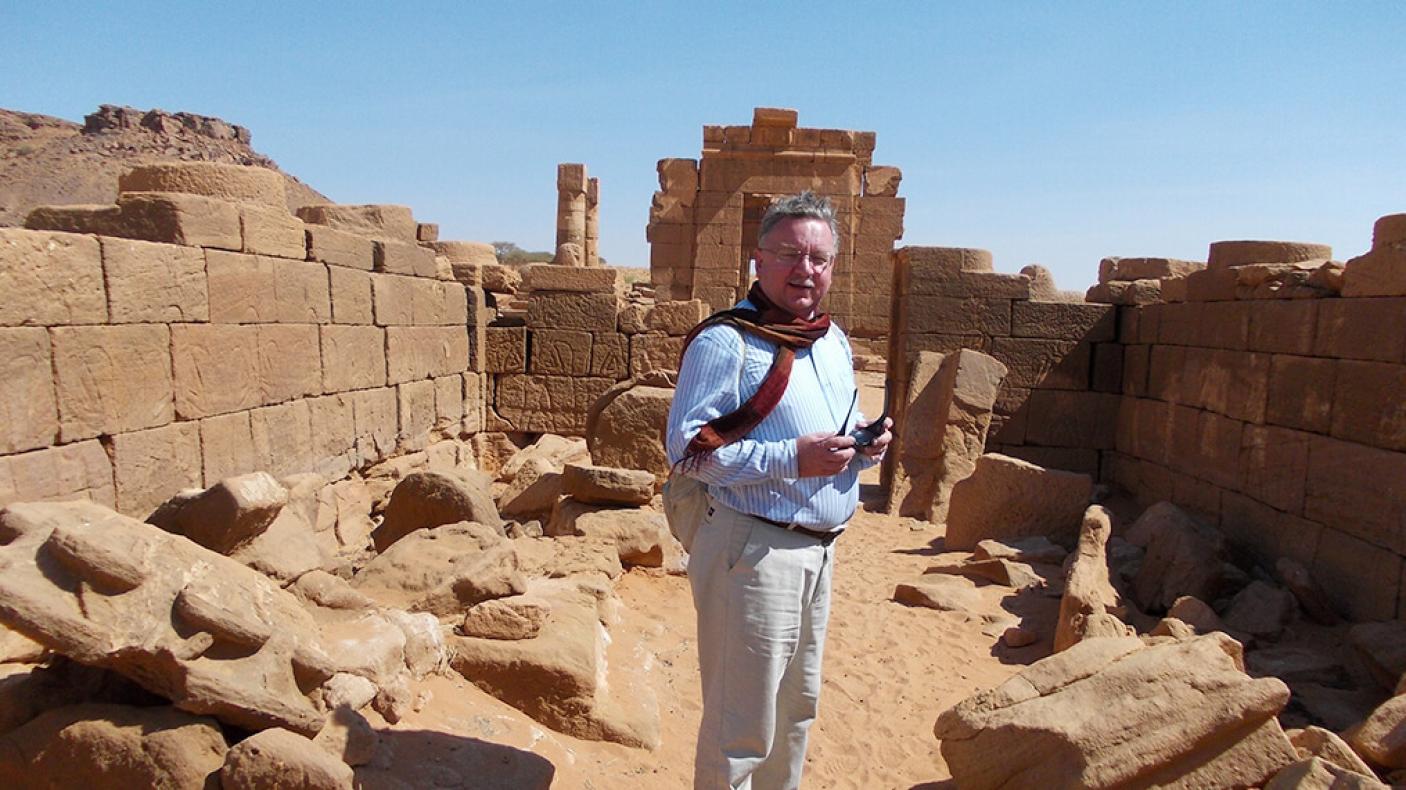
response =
{"points": [[571, 205], [593, 222]]}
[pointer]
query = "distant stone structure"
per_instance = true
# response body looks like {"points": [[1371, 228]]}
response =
{"points": [[703, 224], [578, 215]]}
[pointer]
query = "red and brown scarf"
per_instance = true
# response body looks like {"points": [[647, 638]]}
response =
{"points": [[772, 323]]}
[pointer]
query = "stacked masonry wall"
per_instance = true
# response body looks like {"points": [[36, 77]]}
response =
{"points": [[136, 368], [1280, 420], [581, 335]]}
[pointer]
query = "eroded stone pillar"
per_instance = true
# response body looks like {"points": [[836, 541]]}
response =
{"points": [[571, 204]]}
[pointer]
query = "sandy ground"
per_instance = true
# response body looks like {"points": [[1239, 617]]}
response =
{"points": [[889, 671]]}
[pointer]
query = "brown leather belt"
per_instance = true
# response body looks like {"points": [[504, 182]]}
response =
{"points": [[825, 538]]}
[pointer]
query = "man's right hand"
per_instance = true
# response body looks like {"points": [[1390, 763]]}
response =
{"points": [[823, 454]]}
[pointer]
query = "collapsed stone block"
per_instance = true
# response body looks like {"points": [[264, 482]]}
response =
{"points": [[1005, 497], [944, 424], [1028, 732], [443, 570], [157, 608], [278, 758], [606, 485], [225, 515], [430, 499], [626, 426]]}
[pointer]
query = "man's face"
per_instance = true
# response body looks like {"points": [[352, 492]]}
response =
{"points": [[796, 285]]}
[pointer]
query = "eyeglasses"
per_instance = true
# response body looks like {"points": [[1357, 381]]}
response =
{"points": [[819, 262]]}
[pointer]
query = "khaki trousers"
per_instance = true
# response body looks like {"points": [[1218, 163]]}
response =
{"points": [[763, 600]]}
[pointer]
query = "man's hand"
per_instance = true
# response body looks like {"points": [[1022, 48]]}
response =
{"points": [[823, 454], [876, 448]]}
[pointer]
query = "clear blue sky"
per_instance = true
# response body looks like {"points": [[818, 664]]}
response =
{"points": [[1052, 133]]}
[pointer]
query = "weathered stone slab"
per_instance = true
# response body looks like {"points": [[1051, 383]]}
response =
{"points": [[271, 231], [1005, 497], [627, 427], [1035, 726], [149, 282], [443, 570], [430, 499], [149, 466], [110, 379], [29, 416], [228, 182], [338, 247], [593, 312], [579, 279], [1227, 254], [379, 221], [604, 485], [198, 628]]}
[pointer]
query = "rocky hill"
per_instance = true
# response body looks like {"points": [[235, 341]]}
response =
{"points": [[50, 161]]}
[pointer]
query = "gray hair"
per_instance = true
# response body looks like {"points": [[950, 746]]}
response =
{"points": [[806, 205]]}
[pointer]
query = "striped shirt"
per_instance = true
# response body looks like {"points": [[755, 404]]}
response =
{"points": [[758, 474]]}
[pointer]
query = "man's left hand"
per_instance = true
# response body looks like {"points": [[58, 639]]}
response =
{"points": [[876, 449]]}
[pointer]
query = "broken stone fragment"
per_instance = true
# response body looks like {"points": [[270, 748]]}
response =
{"points": [[1087, 589], [279, 758], [431, 499], [226, 515], [1007, 498], [603, 485]]}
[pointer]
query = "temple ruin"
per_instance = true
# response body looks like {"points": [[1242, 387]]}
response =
{"points": [[162, 353]]}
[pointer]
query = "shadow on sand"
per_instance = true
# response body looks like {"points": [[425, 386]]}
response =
{"points": [[424, 758]]}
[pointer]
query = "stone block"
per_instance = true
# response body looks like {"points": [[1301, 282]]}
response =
{"points": [[1381, 272], [1358, 489], [675, 318], [501, 279], [71, 471], [227, 446], [1353, 329], [593, 312], [1359, 578], [1180, 324], [650, 352], [944, 314], [1151, 429], [548, 404], [1107, 375], [976, 285], [351, 296], [1072, 419], [111, 379], [289, 361], [1225, 325], [152, 465], [173, 218], [338, 247], [505, 349], [416, 406], [449, 404], [456, 303], [301, 292], [283, 438], [1050, 364], [378, 220], [576, 279], [475, 401], [1232, 383], [1137, 362], [919, 266], [393, 299], [148, 282], [375, 417], [353, 357], [234, 183], [679, 177], [1301, 392], [1183, 451], [1367, 404], [1274, 462], [560, 352], [1133, 269], [271, 231], [882, 181], [29, 416], [420, 352], [241, 288], [427, 232], [610, 356], [1008, 498], [427, 302], [1210, 285], [50, 278], [1167, 373], [1227, 254], [332, 422], [214, 369], [1063, 321], [1283, 326], [402, 257]]}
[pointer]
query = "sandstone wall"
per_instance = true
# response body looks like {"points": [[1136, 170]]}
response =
{"points": [[176, 339], [703, 224], [578, 332], [1059, 401], [1268, 398]]}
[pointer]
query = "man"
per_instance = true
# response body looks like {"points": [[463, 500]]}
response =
{"points": [[779, 495]]}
